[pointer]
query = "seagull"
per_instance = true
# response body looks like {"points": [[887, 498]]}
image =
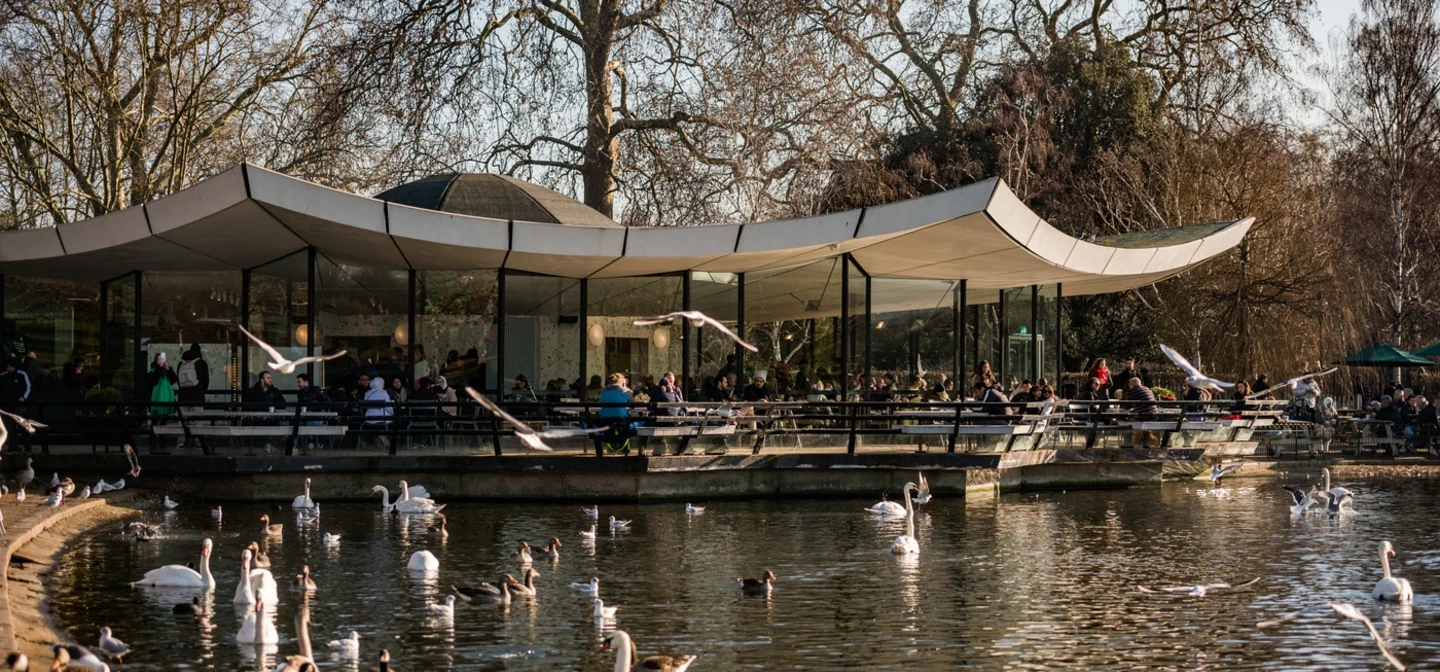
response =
{"points": [[134, 462], [922, 494], [618, 524], [85, 494], [525, 433], [348, 647], [55, 499], [590, 534], [170, 503], [278, 363], [113, 649], [1348, 611], [1342, 504], [1200, 590], [698, 319], [446, 610], [330, 540], [23, 423], [216, 513], [593, 512], [1218, 472], [592, 588], [1293, 382], [20, 495], [1194, 378], [603, 612], [692, 510], [1303, 500]]}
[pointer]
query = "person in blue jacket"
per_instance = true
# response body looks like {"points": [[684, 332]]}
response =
{"points": [[617, 417]]}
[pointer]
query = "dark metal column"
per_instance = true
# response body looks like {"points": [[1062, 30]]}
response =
{"points": [[1003, 332], [1034, 332], [1059, 339], [869, 329], [685, 382], [961, 313], [310, 331], [140, 363], [104, 328], [410, 336], [500, 332], [584, 330], [243, 375], [739, 329], [844, 327]]}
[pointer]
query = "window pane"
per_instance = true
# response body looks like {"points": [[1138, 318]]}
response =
{"points": [[120, 335], [279, 294], [59, 321], [788, 315], [615, 345], [912, 329], [716, 295], [1019, 341], [181, 309], [365, 312], [458, 311], [858, 328], [542, 331]]}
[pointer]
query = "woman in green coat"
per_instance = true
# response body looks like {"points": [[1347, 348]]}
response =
{"points": [[161, 380]]}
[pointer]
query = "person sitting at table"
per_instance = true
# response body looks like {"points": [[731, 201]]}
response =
{"points": [[667, 392], [377, 404], [1094, 391], [1141, 398], [397, 390], [995, 401], [757, 392], [307, 394], [1242, 390], [264, 393], [445, 393], [616, 416], [720, 390]]}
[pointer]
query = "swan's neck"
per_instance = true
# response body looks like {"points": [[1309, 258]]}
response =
{"points": [[307, 490], [245, 581], [205, 576], [1327, 480], [302, 630], [1385, 561], [622, 651], [404, 491], [384, 496], [909, 516]]}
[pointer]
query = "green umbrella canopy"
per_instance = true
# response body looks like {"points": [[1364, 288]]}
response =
{"points": [[1385, 355], [1432, 350]]}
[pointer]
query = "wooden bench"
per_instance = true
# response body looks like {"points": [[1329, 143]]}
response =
{"points": [[249, 430]]}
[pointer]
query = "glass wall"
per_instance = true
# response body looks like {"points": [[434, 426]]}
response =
{"points": [[365, 312], [184, 309], [985, 321], [912, 329], [1019, 346], [788, 315], [58, 321], [857, 329], [279, 308], [615, 345], [119, 334], [542, 335], [1047, 332], [716, 295], [458, 327]]}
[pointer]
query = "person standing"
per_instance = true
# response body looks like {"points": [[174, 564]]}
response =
{"points": [[1121, 382], [193, 377], [14, 392], [161, 381]]}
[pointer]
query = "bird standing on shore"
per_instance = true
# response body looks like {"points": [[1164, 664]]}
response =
{"points": [[113, 649], [24, 476]]}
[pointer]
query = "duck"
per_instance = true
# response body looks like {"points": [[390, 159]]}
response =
{"points": [[486, 593], [592, 588], [691, 510], [550, 551], [521, 556], [190, 608], [257, 628], [906, 544], [626, 653], [74, 655], [180, 576], [384, 662], [1390, 588], [66, 485], [603, 612], [267, 528], [446, 610], [409, 506], [760, 585], [257, 559], [111, 647], [303, 581], [170, 503], [260, 586], [303, 501], [619, 524], [423, 561], [348, 647], [142, 531], [528, 587]]}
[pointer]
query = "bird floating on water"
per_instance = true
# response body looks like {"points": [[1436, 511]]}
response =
{"points": [[761, 585], [1390, 588], [906, 544], [592, 588], [170, 503], [423, 561], [446, 610], [603, 612], [619, 524], [625, 653], [691, 510], [593, 512], [348, 647]]}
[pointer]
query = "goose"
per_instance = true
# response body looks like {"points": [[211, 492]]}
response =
{"points": [[593, 512], [697, 319], [446, 610], [521, 556], [66, 485], [528, 436], [384, 662], [24, 476], [69, 656], [134, 462], [693, 510], [487, 593], [348, 647], [1193, 377], [1303, 500], [886, 508], [303, 581], [1391, 589], [257, 559], [528, 587], [257, 628], [267, 528], [1348, 611], [278, 363], [180, 576], [423, 561], [113, 649], [188, 608], [1218, 472], [260, 586], [603, 612], [922, 493], [439, 531], [330, 540], [590, 534], [906, 543], [550, 551], [216, 514], [626, 654], [17, 661], [1199, 590], [619, 524], [411, 506], [761, 585], [303, 501], [592, 588]]}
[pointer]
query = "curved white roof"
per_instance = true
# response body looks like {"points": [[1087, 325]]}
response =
{"points": [[248, 216]]}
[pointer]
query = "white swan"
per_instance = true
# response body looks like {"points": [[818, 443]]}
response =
{"points": [[625, 654], [446, 610], [412, 506], [416, 494], [592, 588], [693, 510], [259, 588], [180, 576], [906, 543], [423, 561], [348, 647], [303, 501], [1337, 500], [1391, 589], [257, 628], [886, 508], [603, 612]]}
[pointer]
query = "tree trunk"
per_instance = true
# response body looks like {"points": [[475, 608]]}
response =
{"points": [[597, 166]]}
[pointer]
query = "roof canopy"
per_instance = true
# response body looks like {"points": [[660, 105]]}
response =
{"points": [[248, 216]]}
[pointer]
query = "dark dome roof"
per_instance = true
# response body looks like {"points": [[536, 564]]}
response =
{"points": [[496, 197]]}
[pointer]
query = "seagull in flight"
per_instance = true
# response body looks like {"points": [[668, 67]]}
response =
{"points": [[278, 363], [22, 422], [1218, 472], [532, 439], [1303, 500], [922, 493], [1348, 611], [1193, 377], [1197, 591], [696, 318], [1293, 382]]}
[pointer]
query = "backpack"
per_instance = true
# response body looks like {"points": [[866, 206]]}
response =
{"points": [[186, 374]]}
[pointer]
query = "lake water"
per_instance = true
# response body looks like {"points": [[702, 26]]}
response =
{"points": [[1024, 581]]}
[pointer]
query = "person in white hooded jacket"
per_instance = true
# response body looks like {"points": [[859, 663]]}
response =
{"points": [[378, 408]]}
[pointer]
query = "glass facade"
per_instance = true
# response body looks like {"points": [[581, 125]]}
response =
{"points": [[912, 329], [1019, 337], [119, 347], [857, 328], [788, 313], [279, 315], [542, 337], [185, 309], [457, 327], [57, 320], [986, 325], [365, 312], [615, 345], [1047, 332], [716, 295]]}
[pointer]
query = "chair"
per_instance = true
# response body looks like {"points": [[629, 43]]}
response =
{"points": [[423, 418], [467, 417]]}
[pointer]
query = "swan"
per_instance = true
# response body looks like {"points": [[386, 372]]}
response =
{"points": [[603, 612], [257, 559], [415, 494], [1303, 500], [550, 551], [269, 529], [1337, 492], [1391, 589], [303, 581], [521, 556], [413, 506], [886, 508], [760, 585], [592, 588], [180, 576], [348, 647], [693, 510], [69, 656], [303, 501], [260, 587], [625, 654], [593, 512], [906, 543], [446, 610], [423, 561], [330, 540], [113, 649], [590, 534], [618, 524], [170, 503], [528, 588], [304, 661], [257, 628]]}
